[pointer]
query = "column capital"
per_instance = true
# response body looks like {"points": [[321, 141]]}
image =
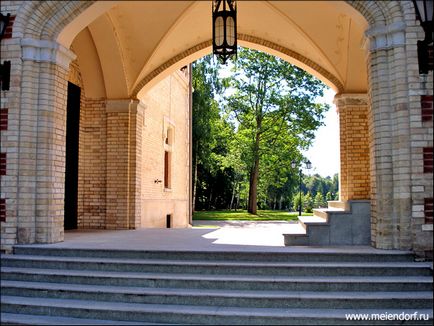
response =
{"points": [[387, 36], [122, 105], [136, 106], [46, 51], [350, 99]]}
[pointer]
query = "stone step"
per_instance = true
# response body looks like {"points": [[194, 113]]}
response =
{"points": [[228, 298], [296, 255], [347, 225], [159, 287], [221, 267], [321, 213], [338, 205], [295, 239], [306, 221], [186, 314], [26, 319], [320, 218], [231, 282]]}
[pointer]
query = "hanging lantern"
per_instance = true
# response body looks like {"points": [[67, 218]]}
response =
{"points": [[224, 29]]}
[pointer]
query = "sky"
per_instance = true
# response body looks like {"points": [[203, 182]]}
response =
{"points": [[324, 153]]}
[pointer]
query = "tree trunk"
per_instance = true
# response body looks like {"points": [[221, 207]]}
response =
{"points": [[280, 202], [210, 199], [238, 197], [233, 196], [254, 173], [194, 181]]}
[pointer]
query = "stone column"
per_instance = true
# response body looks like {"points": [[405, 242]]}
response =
{"points": [[389, 133], [124, 132], [92, 164], [135, 164], [354, 147], [42, 132]]}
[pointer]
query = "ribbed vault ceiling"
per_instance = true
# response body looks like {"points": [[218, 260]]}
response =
{"points": [[127, 41]]}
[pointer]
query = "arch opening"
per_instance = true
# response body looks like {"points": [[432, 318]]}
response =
{"points": [[124, 67]]}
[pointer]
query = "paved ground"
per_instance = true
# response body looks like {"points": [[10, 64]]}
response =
{"points": [[204, 236]]}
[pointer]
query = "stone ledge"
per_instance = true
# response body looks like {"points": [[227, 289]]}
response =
{"points": [[427, 227], [46, 51]]}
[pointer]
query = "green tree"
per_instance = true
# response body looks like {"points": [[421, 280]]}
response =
{"points": [[307, 203], [205, 116], [335, 186], [274, 104], [297, 201], [319, 200], [329, 196]]}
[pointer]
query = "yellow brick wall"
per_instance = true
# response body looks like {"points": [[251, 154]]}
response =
{"points": [[91, 201], [166, 105], [121, 154], [92, 164], [117, 170], [354, 147]]}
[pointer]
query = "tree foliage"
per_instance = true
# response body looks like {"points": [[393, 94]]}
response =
{"points": [[273, 105], [244, 139]]}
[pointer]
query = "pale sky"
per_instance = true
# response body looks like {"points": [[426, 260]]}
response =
{"points": [[324, 153]]}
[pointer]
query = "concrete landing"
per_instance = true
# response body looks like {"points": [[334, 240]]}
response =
{"points": [[203, 236]]}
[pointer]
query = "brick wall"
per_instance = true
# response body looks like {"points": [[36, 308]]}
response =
{"points": [[427, 160], [117, 145], [3, 159], [3, 127], [420, 97], [117, 170], [136, 161], [92, 164], [3, 162], [426, 103], [9, 27], [354, 147], [10, 50], [428, 210], [3, 119], [166, 107], [2, 210]]}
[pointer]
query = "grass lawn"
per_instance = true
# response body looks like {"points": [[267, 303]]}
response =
{"points": [[241, 215]]}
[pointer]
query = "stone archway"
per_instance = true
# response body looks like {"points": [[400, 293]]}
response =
{"points": [[391, 105]]}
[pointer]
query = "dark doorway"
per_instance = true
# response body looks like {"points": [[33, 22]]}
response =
{"points": [[168, 221], [71, 167]]}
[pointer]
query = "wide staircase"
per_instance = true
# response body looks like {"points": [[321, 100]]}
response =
{"points": [[45, 285]]}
